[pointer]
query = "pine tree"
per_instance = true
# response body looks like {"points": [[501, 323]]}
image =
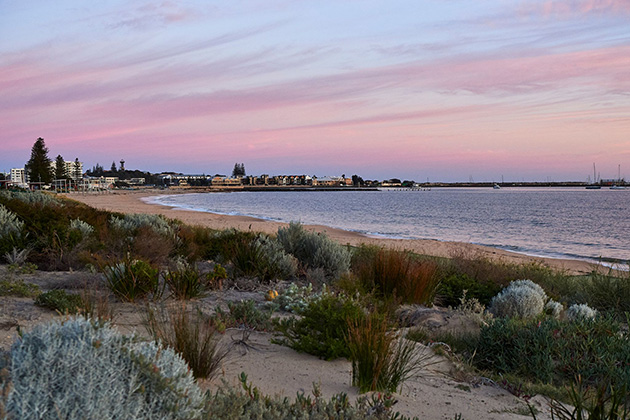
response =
{"points": [[39, 165], [60, 168], [78, 173], [239, 170], [113, 168]]}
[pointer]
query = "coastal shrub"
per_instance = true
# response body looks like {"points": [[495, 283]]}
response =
{"points": [[59, 300], [555, 352], [607, 292], [245, 314], [381, 359], [521, 299], [10, 224], [17, 257], [262, 257], [191, 334], [314, 250], [11, 228], [79, 369], [553, 308], [579, 312], [82, 227], [39, 198], [19, 288], [395, 273], [222, 243], [184, 281], [132, 222], [322, 327], [132, 279], [296, 298], [151, 246], [454, 286], [247, 402]]}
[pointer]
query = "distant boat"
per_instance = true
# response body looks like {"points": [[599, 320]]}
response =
{"points": [[496, 186], [594, 186], [617, 187]]}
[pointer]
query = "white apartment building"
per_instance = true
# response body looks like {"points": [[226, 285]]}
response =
{"points": [[18, 177], [71, 170]]}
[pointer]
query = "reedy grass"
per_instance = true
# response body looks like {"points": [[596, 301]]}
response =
{"points": [[382, 360], [132, 279], [395, 273], [184, 281], [191, 334]]}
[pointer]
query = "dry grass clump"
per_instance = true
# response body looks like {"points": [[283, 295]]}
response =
{"points": [[397, 273], [191, 334]]}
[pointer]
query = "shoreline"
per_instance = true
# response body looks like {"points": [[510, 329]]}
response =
{"points": [[131, 201]]}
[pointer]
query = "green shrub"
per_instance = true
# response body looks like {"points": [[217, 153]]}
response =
{"points": [[84, 228], [10, 287], [78, 369], [59, 300], [262, 257], [11, 228], [394, 273], [132, 279], [453, 287], [245, 314], [521, 299], [578, 312], [296, 298], [37, 198], [248, 402], [381, 359], [323, 326], [132, 222], [553, 351], [315, 250], [191, 334], [185, 281]]}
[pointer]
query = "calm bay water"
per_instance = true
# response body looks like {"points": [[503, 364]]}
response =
{"points": [[552, 222]]}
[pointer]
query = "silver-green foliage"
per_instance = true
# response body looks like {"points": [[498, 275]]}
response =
{"points": [[32, 197], [580, 312], [10, 224], [78, 369], [315, 250], [296, 298], [132, 222], [520, 299], [553, 308], [85, 228], [230, 403], [283, 264]]}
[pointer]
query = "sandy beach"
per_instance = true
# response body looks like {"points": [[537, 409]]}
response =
{"points": [[131, 202]]}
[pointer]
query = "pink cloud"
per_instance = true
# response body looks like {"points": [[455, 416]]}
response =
{"points": [[573, 8]]}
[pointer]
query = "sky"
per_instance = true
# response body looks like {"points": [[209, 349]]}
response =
{"points": [[442, 90]]}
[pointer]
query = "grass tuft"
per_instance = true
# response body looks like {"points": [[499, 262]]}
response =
{"points": [[382, 360], [191, 334]]}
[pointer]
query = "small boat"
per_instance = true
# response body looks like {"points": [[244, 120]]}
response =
{"points": [[594, 185], [496, 186], [617, 187]]}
